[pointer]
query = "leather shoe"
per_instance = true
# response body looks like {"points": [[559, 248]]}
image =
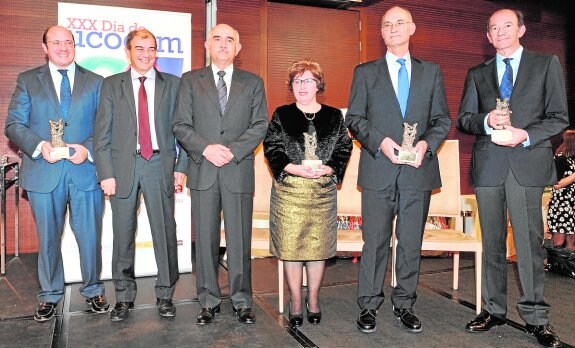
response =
{"points": [[98, 304], [166, 307], [121, 311], [545, 336], [207, 315], [366, 320], [484, 322], [408, 319], [45, 311], [295, 320], [312, 317], [245, 315]]}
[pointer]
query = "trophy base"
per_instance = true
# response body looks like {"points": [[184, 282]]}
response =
{"points": [[313, 164], [499, 135], [407, 156], [60, 152]]}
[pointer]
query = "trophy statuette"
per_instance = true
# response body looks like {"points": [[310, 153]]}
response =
{"points": [[310, 159], [498, 135], [406, 154], [59, 148]]}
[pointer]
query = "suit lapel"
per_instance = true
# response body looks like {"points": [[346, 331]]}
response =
{"points": [[78, 90], [489, 72], [128, 91], [236, 88], [522, 79], [415, 84], [158, 95], [48, 85], [384, 81], [209, 85]]}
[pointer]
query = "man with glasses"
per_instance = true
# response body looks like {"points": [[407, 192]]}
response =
{"points": [[61, 91], [388, 96], [221, 118], [509, 174], [135, 153]]}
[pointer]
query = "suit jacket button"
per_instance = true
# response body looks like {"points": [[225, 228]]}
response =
{"points": [[222, 132]]}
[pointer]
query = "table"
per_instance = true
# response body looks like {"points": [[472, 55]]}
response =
{"points": [[9, 172]]}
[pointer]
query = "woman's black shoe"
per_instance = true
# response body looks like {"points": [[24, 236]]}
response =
{"points": [[295, 320], [312, 317]]}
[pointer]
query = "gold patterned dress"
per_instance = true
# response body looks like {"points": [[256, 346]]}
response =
{"points": [[303, 212]]}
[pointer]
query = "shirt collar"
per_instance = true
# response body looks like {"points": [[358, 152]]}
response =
{"points": [[392, 59], [150, 74], [71, 68], [229, 70]]}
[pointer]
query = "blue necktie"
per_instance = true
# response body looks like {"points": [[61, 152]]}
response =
{"points": [[402, 86], [222, 91], [65, 93], [506, 86]]}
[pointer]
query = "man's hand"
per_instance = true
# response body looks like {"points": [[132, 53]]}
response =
{"points": [[218, 155], [46, 152], [179, 179], [420, 148], [498, 119], [518, 136], [80, 154], [388, 148], [109, 186]]}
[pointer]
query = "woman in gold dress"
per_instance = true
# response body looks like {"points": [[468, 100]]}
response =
{"points": [[307, 147]]}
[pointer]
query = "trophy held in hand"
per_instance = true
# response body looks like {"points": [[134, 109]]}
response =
{"points": [[310, 159], [406, 154], [59, 148], [499, 135]]}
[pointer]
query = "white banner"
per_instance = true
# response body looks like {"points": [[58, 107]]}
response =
{"points": [[100, 32]]}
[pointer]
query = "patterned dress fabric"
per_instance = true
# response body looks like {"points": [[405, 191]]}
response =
{"points": [[561, 213]]}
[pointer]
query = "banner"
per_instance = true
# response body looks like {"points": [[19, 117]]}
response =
{"points": [[100, 33]]}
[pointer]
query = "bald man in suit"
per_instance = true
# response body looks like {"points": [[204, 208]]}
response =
{"points": [[53, 184], [221, 118]]}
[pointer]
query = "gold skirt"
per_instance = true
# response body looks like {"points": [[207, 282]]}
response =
{"points": [[303, 219]]}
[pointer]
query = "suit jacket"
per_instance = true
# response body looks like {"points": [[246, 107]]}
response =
{"points": [[116, 134], [374, 114], [539, 106], [33, 103], [198, 123]]}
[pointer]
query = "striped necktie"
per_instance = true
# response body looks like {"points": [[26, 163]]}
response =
{"points": [[222, 91], [65, 93], [506, 86]]}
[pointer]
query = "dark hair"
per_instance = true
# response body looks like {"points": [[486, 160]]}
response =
{"points": [[519, 14], [567, 146], [45, 35], [300, 67], [141, 33]]}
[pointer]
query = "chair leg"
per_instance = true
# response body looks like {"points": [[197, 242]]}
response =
{"points": [[393, 259], [478, 266], [281, 285], [455, 270], [304, 276]]}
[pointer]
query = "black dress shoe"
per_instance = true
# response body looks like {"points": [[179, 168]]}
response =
{"points": [[98, 304], [366, 320], [295, 320], [166, 307], [312, 317], [484, 322], [45, 311], [408, 319], [545, 336], [207, 315], [245, 315], [121, 311]]}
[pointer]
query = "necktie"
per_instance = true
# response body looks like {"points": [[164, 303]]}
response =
{"points": [[506, 86], [402, 86], [222, 91], [144, 136], [65, 93]]}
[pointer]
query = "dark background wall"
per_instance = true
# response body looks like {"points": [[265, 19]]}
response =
{"points": [[449, 32]]}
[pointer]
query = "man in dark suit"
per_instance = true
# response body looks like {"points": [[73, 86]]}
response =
{"points": [[380, 106], [60, 90], [221, 117], [509, 175], [135, 152]]}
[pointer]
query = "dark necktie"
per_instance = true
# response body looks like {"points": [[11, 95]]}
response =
{"points": [[402, 86], [65, 93], [144, 135], [506, 86], [222, 91]]}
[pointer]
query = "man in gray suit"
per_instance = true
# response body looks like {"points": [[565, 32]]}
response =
{"points": [[378, 111], [135, 152], [221, 118], [60, 90], [509, 175]]}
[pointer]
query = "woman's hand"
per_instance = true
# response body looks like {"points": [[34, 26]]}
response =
{"points": [[307, 172]]}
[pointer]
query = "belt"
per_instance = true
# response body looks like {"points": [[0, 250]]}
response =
{"points": [[154, 152]]}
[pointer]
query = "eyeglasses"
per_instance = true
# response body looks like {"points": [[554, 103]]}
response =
{"points": [[399, 25], [65, 43], [298, 82], [503, 28]]}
